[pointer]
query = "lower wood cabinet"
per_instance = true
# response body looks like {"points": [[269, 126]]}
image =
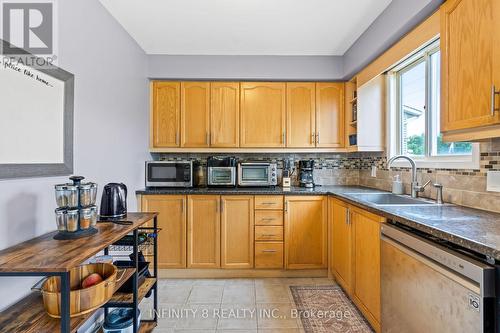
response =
{"points": [[341, 244], [355, 256], [237, 236], [306, 237], [269, 255], [203, 235], [367, 264], [172, 222]]}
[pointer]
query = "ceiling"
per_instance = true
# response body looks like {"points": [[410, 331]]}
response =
{"points": [[245, 27]]}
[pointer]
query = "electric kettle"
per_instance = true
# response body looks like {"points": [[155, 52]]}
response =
{"points": [[114, 201]]}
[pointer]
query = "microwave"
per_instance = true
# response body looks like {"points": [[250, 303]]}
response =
{"points": [[257, 174], [169, 174]]}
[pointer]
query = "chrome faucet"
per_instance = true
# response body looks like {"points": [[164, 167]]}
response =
{"points": [[415, 186]]}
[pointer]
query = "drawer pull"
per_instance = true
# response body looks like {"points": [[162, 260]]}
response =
{"points": [[268, 235], [268, 219], [269, 251], [269, 203]]}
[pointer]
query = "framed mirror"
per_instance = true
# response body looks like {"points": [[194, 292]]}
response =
{"points": [[36, 120]]}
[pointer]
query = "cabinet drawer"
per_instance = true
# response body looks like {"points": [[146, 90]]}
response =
{"points": [[268, 233], [269, 202], [268, 217], [268, 255]]}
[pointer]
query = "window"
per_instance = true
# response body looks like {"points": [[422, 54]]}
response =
{"points": [[415, 114]]}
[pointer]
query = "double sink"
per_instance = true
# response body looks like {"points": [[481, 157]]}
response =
{"points": [[389, 199]]}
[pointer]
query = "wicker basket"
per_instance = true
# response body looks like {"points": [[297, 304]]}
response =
{"points": [[82, 301]]}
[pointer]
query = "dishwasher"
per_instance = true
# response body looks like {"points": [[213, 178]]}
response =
{"points": [[429, 287]]}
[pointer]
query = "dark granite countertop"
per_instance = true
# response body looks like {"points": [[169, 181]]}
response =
{"points": [[472, 229]]}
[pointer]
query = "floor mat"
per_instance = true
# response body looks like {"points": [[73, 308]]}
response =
{"points": [[327, 309]]}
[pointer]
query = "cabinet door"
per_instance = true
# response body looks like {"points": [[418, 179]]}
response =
{"points": [[195, 114], [237, 238], [468, 61], [262, 114], [225, 114], [367, 263], [306, 232], [329, 114], [341, 247], [172, 222], [165, 117], [300, 114], [203, 231]]}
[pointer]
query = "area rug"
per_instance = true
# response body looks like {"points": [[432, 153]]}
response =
{"points": [[327, 309]]}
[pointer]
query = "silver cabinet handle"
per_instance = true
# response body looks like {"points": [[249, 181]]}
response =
{"points": [[494, 92], [348, 217], [317, 138], [283, 137], [269, 251], [286, 206], [269, 203], [313, 138], [268, 235], [221, 207], [268, 219]]}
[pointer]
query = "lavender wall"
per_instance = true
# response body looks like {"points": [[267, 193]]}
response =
{"points": [[315, 68], [111, 124]]}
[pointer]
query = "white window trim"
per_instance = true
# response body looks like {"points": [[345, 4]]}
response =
{"points": [[432, 162]]}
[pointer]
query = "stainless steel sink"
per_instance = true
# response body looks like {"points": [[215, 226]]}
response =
{"points": [[389, 199]]}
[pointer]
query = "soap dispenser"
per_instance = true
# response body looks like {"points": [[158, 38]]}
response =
{"points": [[397, 185]]}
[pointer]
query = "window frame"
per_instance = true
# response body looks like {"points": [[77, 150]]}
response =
{"points": [[394, 121]]}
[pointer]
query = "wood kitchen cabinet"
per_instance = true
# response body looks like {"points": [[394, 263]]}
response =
{"points": [[237, 237], [195, 114], [470, 69], [165, 114], [262, 122], [329, 114], [225, 114], [306, 221], [172, 221], [301, 114], [366, 293], [341, 244], [203, 235]]}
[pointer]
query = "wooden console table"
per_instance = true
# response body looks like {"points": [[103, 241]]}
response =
{"points": [[45, 256]]}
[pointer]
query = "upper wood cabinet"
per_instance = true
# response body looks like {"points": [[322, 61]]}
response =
{"points": [[301, 114], [306, 237], [203, 241], [225, 114], [329, 114], [195, 114], [172, 221], [165, 115], [262, 114], [470, 67], [237, 237], [367, 264], [341, 244]]}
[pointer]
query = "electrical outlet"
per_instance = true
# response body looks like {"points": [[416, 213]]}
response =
{"points": [[374, 171]]}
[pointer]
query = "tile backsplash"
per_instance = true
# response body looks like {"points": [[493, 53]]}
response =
{"points": [[462, 187]]}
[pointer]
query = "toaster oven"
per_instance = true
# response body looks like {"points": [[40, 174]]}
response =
{"points": [[257, 174], [169, 174]]}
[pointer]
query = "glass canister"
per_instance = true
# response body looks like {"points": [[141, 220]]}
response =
{"points": [[61, 219], [72, 220], [88, 194], [88, 217], [66, 195]]}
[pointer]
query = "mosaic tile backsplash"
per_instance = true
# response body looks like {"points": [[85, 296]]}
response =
{"points": [[461, 187]]}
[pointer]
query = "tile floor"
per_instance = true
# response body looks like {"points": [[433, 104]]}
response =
{"points": [[228, 305]]}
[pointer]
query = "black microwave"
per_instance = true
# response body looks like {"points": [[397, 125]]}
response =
{"points": [[169, 174]]}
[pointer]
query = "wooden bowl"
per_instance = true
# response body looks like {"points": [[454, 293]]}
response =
{"points": [[82, 301]]}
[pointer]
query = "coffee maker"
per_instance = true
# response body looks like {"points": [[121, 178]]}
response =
{"points": [[306, 178]]}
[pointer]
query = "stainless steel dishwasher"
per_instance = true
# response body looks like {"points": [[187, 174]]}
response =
{"points": [[428, 287]]}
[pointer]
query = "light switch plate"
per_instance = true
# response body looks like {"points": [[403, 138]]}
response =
{"points": [[493, 181]]}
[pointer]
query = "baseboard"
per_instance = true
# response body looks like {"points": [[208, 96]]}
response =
{"points": [[238, 273]]}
